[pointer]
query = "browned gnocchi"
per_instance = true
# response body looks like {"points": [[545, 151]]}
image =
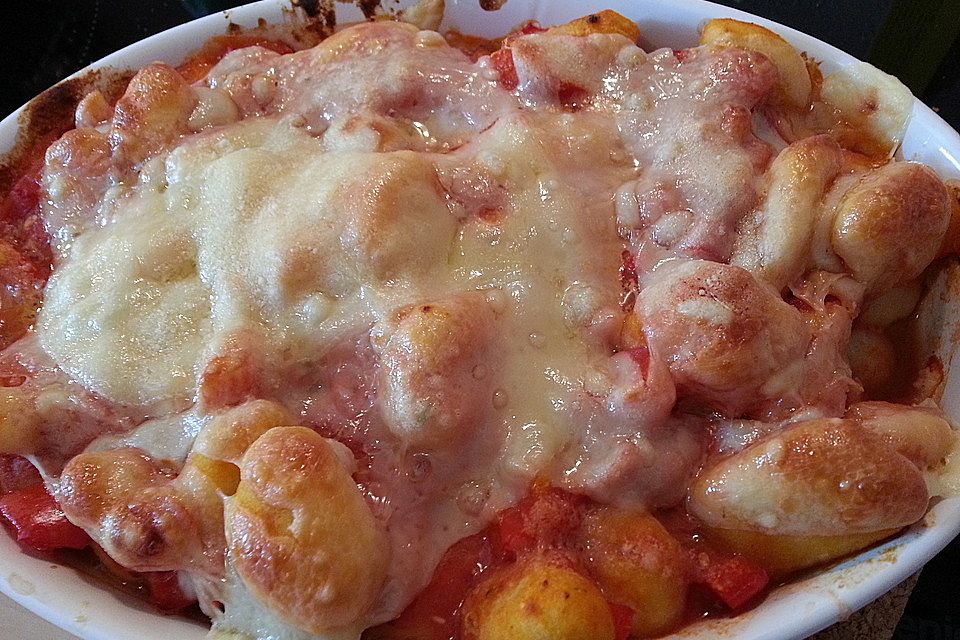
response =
{"points": [[300, 534], [411, 336], [537, 600]]}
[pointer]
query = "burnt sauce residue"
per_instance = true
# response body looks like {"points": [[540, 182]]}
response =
{"points": [[310, 7], [369, 8], [51, 114], [492, 5], [320, 14]]}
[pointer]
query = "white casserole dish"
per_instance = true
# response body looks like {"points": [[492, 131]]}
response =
{"points": [[80, 606]]}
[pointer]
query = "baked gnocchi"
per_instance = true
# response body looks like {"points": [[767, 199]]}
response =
{"points": [[534, 338]]}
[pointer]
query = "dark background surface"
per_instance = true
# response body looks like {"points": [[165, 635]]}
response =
{"points": [[45, 40], [917, 40]]}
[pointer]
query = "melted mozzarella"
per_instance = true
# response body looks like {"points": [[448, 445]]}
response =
{"points": [[142, 303], [260, 230], [419, 264], [555, 234]]}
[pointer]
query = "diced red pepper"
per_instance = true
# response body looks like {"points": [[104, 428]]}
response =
{"points": [[622, 620], [502, 59], [502, 62], [544, 519], [163, 589], [724, 580], [735, 581], [17, 473], [546, 514], [38, 521]]}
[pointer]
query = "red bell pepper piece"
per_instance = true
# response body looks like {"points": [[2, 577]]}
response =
{"points": [[530, 26], [735, 581], [544, 519], [163, 589], [17, 473], [38, 521], [502, 61]]}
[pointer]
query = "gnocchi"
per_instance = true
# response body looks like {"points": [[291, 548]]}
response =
{"points": [[413, 336], [301, 536], [639, 564], [537, 600]]}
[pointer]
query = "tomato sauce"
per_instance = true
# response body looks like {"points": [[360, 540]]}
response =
{"points": [[549, 520], [25, 256], [195, 67]]}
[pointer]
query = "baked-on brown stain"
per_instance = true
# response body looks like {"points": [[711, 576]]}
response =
{"points": [[327, 19], [492, 5], [321, 17], [310, 7], [51, 113], [369, 8]]}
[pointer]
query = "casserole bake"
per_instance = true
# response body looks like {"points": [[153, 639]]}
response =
{"points": [[425, 416]]}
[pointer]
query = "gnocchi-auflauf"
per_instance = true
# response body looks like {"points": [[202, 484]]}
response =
{"points": [[547, 337]]}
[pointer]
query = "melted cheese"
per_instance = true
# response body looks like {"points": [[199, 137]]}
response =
{"points": [[143, 303], [258, 229], [553, 236], [372, 189]]}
